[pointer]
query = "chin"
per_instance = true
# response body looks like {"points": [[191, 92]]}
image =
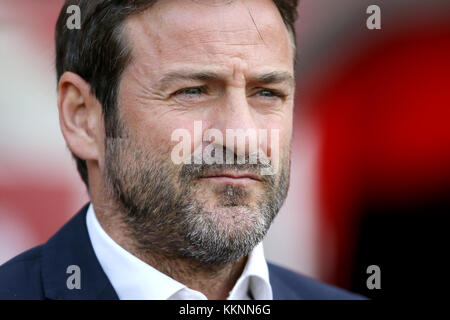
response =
{"points": [[239, 216]]}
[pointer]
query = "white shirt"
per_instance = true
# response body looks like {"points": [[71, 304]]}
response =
{"points": [[133, 279]]}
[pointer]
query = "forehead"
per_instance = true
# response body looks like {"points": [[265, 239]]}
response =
{"points": [[199, 32]]}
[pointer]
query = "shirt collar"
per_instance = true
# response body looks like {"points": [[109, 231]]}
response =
{"points": [[133, 279], [254, 280]]}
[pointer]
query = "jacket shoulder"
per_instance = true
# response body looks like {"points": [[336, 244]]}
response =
{"points": [[289, 285], [20, 277]]}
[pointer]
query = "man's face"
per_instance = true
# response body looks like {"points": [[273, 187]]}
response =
{"points": [[230, 66]]}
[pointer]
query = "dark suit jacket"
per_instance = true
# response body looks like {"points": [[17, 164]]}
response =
{"points": [[40, 273]]}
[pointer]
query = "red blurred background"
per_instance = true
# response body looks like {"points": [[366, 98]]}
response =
{"points": [[370, 180]]}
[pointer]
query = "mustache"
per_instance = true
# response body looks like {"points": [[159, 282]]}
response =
{"points": [[198, 170]]}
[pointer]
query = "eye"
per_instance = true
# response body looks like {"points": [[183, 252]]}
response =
{"points": [[269, 93], [191, 91]]}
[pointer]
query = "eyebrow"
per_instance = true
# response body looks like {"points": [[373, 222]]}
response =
{"points": [[273, 77]]}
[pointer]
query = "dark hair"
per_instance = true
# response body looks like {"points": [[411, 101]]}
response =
{"points": [[98, 53]]}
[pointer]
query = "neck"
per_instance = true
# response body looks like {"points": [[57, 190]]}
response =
{"points": [[214, 281]]}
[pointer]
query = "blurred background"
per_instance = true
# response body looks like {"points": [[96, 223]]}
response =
{"points": [[370, 176]]}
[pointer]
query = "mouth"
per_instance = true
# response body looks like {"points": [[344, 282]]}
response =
{"points": [[232, 178]]}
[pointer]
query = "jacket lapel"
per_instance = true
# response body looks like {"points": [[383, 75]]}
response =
{"points": [[71, 246], [280, 289]]}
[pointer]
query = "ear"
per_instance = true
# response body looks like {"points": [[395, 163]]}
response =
{"points": [[80, 117]]}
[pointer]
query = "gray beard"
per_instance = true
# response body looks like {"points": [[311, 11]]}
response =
{"points": [[163, 216]]}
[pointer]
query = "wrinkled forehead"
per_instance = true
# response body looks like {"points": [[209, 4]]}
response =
{"points": [[207, 31]]}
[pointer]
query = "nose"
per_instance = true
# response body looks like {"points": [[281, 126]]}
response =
{"points": [[235, 119]]}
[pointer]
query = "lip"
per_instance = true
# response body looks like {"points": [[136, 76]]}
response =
{"points": [[238, 178], [233, 175]]}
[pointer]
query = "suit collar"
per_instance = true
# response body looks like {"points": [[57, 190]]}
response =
{"points": [[71, 246], [280, 288]]}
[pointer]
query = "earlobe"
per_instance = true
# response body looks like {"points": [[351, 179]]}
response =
{"points": [[79, 116]]}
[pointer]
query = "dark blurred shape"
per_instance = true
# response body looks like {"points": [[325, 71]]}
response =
{"points": [[408, 240]]}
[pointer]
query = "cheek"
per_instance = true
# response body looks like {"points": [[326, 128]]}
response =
{"points": [[278, 127], [163, 135]]}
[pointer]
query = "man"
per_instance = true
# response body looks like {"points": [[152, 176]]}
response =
{"points": [[158, 228]]}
